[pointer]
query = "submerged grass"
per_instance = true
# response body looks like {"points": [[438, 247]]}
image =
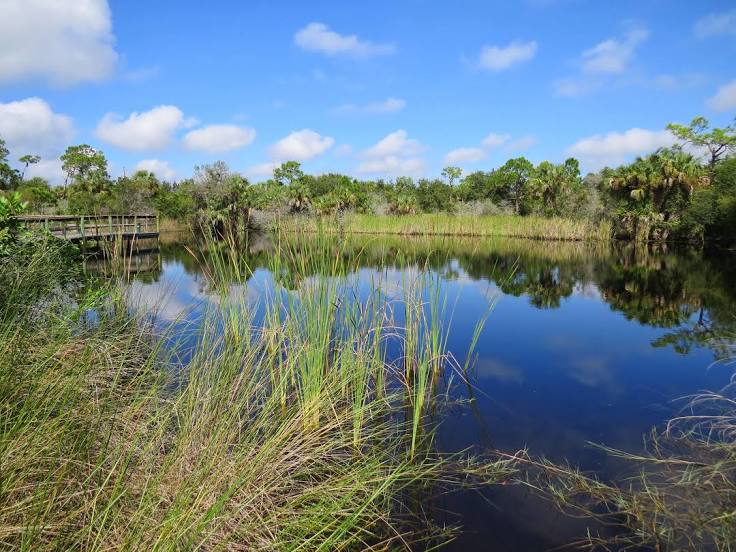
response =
{"points": [[681, 494], [282, 425], [443, 224]]}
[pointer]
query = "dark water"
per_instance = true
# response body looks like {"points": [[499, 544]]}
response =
{"points": [[586, 343]]}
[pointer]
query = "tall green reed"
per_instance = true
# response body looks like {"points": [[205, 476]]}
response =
{"points": [[281, 428]]}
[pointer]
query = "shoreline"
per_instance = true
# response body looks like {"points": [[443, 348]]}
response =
{"points": [[508, 226]]}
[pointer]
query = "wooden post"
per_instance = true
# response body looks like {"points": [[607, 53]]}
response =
{"points": [[158, 225], [81, 231], [109, 226]]}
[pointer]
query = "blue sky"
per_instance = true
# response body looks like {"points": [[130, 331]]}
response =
{"points": [[368, 88]]}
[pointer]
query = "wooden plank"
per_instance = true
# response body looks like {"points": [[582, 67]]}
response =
{"points": [[83, 227], [40, 218]]}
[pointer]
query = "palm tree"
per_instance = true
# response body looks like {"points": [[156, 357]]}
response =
{"points": [[657, 188], [552, 185], [299, 196], [403, 204]]}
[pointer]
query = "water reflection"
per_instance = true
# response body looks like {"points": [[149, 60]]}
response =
{"points": [[588, 343]]}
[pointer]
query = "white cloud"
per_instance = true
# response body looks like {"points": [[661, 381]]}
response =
{"points": [[392, 165], [613, 55], [615, 147], [394, 154], [301, 145], [475, 154], [465, 155], [317, 37], [148, 130], [606, 64], [494, 140], [389, 105], [260, 170], [31, 126], [521, 144], [49, 169], [63, 41], [160, 168], [725, 97], [715, 24], [498, 58], [397, 143], [218, 138]]}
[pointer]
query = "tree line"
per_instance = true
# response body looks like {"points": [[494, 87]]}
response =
{"points": [[687, 191]]}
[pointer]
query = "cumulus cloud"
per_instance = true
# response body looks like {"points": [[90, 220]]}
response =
{"points": [[48, 169], [31, 126], [317, 37], [715, 24], [615, 147], [160, 168], [494, 140], [389, 105], [396, 143], [394, 154], [148, 130], [724, 98], [62, 41], [475, 154], [218, 138], [392, 165], [613, 55], [498, 58], [301, 145]]}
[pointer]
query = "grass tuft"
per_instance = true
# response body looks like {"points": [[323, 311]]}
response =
{"points": [[283, 427]]}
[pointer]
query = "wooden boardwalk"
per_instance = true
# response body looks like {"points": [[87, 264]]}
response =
{"points": [[95, 228]]}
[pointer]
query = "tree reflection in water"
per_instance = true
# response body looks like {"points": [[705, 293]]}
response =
{"points": [[688, 291]]}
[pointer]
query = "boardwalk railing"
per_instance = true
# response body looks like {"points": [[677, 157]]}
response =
{"points": [[94, 227]]}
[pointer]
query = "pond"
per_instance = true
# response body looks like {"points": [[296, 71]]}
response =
{"points": [[585, 343]]}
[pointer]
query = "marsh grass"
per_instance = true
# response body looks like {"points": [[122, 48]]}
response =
{"points": [[444, 224], [681, 492], [284, 429], [173, 226]]}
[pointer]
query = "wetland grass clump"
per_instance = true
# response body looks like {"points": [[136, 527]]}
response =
{"points": [[281, 425], [444, 224], [681, 493]]}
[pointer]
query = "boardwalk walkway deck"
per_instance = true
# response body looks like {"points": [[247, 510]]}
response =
{"points": [[84, 228]]}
